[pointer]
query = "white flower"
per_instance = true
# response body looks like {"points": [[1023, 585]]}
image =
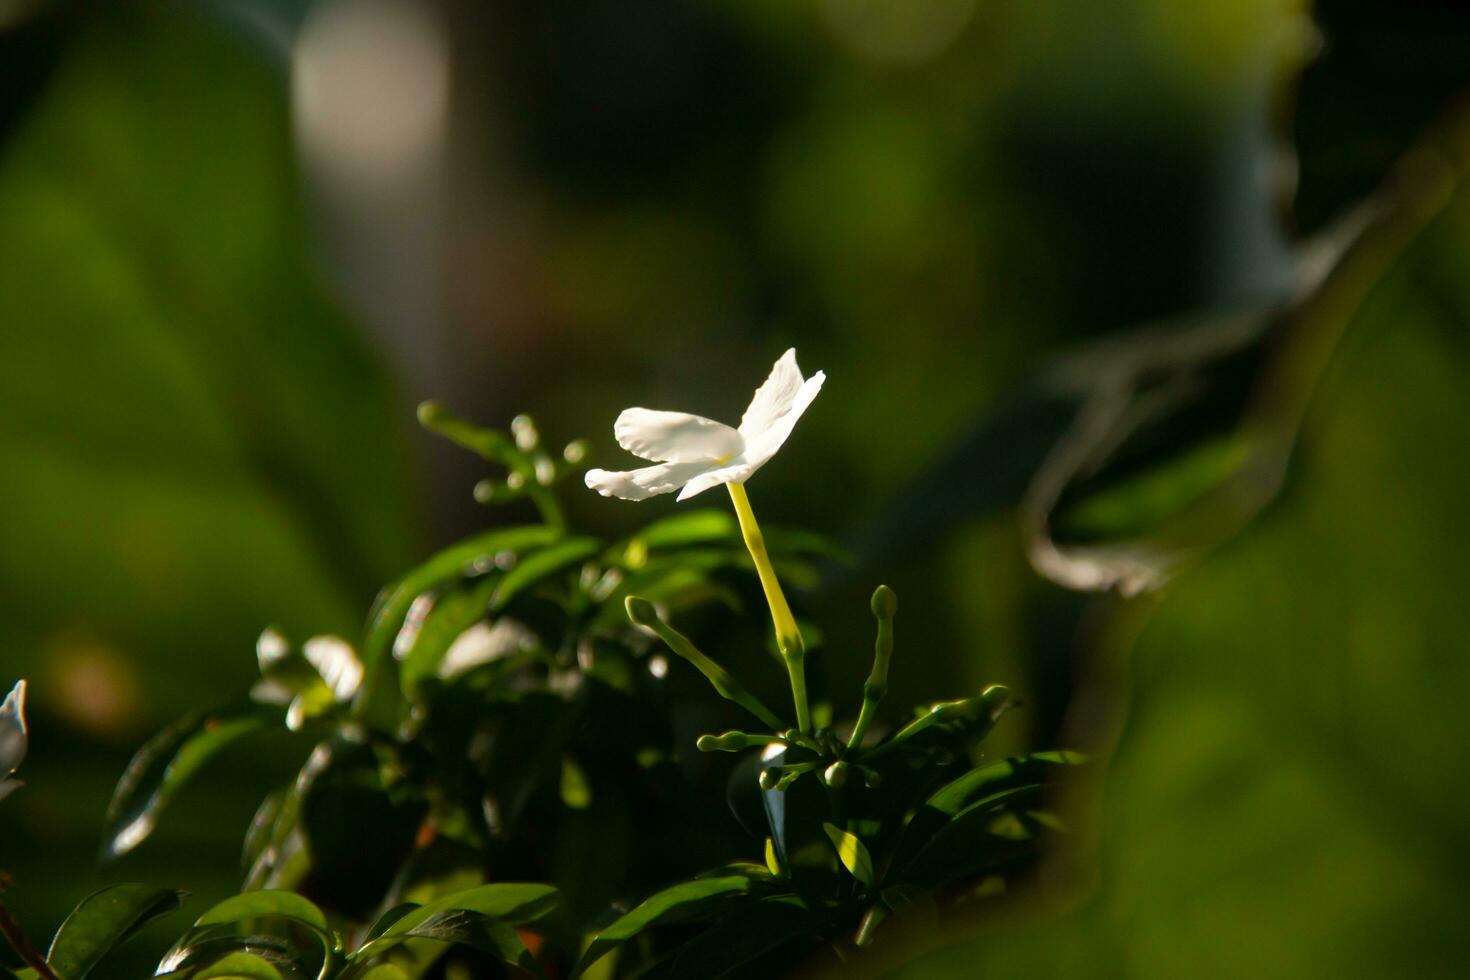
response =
{"points": [[697, 453], [13, 738]]}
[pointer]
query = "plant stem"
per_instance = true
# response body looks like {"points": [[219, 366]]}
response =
{"points": [[642, 612], [22, 944], [788, 636], [885, 604]]}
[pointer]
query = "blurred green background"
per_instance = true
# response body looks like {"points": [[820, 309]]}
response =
{"points": [[239, 241]]}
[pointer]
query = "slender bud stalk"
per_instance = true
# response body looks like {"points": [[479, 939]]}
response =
{"points": [[885, 605], [735, 742], [642, 612], [788, 636]]}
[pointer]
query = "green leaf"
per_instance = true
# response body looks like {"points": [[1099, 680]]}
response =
{"points": [[451, 614], [983, 781], [954, 725], [251, 905], [238, 966], [478, 553], [291, 945], [462, 927], [852, 852], [481, 917], [379, 699], [540, 564], [515, 903], [104, 920], [1007, 773], [165, 764], [679, 902], [382, 922], [979, 837]]}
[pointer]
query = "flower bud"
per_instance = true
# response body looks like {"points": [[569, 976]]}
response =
{"points": [[640, 610], [885, 602]]}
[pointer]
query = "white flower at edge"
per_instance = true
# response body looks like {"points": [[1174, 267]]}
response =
{"points": [[696, 453], [14, 741]]}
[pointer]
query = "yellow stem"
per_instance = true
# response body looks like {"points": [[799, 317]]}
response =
{"points": [[788, 636]]}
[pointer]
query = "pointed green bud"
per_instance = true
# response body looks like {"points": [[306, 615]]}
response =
{"points": [[885, 602], [641, 611], [732, 742], [836, 775]]}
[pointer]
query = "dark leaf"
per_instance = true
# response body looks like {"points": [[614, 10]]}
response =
{"points": [[682, 902], [165, 763], [982, 781], [104, 920]]}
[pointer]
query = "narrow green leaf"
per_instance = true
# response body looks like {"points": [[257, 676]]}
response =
{"points": [[166, 763], [104, 920], [540, 564], [972, 841], [515, 903], [443, 568], [251, 905], [773, 864], [678, 902], [952, 724], [462, 927], [1005, 774], [983, 781], [382, 922], [852, 852]]}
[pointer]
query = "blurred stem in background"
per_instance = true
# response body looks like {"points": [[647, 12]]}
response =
{"points": [[788, 635]]}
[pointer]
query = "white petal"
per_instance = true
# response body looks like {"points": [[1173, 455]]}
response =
{"points": [[738, 471], [675, 437], [13, 738], [761, 446], [773, 399], [647, 482]]}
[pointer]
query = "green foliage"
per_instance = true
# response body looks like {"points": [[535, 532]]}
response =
{"points": [[853, 831], [103, 921], [500, 692]]}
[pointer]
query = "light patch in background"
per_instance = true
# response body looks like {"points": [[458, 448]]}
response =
{"points": [[92, 687], [896, 32], [370, 88]]}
